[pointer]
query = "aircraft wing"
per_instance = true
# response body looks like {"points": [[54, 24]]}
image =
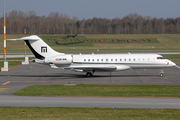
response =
{"points": [[111, 68], [98, 68]]}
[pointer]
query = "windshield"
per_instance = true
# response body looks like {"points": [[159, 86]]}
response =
{"points": [[161, 58]]}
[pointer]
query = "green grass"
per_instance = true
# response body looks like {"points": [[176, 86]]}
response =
{"points": [[57, 113], [13, 63], [102, 90], [10, 63], [74, 49], [172, 56], [22, 58], [160, 42], [53, 43]]}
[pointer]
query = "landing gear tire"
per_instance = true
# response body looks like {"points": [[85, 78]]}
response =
{"points": [[88, 74], [161, 75]]}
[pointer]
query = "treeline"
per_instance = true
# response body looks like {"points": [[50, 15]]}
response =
{"points": [[56, 23]]}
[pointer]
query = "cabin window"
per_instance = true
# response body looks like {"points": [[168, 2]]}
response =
{"points": [[97, 59], [89, 60], [148, 59], [101, 59], [143, 59], [120, 59], [115, 59], [134, 59], [124, 59], [84, 60], [106, 59], [139, 59], [129, 59], [111, 59], [64, 59], [93, 60]]}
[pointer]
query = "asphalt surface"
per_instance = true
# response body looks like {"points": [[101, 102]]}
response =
{"points": [[37, 74], [89, 102]]}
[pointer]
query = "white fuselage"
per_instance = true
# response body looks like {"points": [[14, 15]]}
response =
{"points": [[121, 61]]}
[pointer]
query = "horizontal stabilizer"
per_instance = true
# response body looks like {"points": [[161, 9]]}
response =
{"points": [[21, 39], [33, 37]]}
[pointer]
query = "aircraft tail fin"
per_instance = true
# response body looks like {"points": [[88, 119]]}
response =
{"points": [[38, 47]]}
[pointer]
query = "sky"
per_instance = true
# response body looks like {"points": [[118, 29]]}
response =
{"points": [[96, 8]]}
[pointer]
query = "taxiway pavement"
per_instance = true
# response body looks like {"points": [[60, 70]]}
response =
{"points": [[90, 102], [37, 74]]}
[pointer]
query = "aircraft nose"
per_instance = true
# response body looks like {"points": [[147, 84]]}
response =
{"points": [[172, 64]]}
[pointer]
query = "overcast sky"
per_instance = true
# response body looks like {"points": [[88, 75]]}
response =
{"points": [[96, 8]]}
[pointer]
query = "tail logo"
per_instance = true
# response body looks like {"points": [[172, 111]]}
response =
{"points": [[43, 49]]}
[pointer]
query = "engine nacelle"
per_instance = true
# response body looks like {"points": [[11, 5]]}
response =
{"points": [[60, 59], [122, 67]]}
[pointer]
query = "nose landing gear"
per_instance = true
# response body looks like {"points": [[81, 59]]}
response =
{"points": [[161, 73]]}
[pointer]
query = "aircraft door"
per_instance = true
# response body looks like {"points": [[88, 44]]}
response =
{"points": [[71, 58]]}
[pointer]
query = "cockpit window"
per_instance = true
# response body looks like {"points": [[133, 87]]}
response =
{"points": [[161, 58]]}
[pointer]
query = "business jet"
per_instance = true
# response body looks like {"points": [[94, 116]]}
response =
{"points": [[91, 63]]}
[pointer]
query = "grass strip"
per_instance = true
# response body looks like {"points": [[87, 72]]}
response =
{"points": [[172, 56], [80, 49], [159, 42], [13, 63], [10, 63], [102, 90], [22, 58], [41, 113]]}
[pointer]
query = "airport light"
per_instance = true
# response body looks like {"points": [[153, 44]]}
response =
{"points": [[5, 63], [26, 58], [25, 42], [4, 34]]}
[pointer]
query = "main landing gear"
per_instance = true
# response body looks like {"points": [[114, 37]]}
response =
{"points": [[89, 74], [161, 73]]}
